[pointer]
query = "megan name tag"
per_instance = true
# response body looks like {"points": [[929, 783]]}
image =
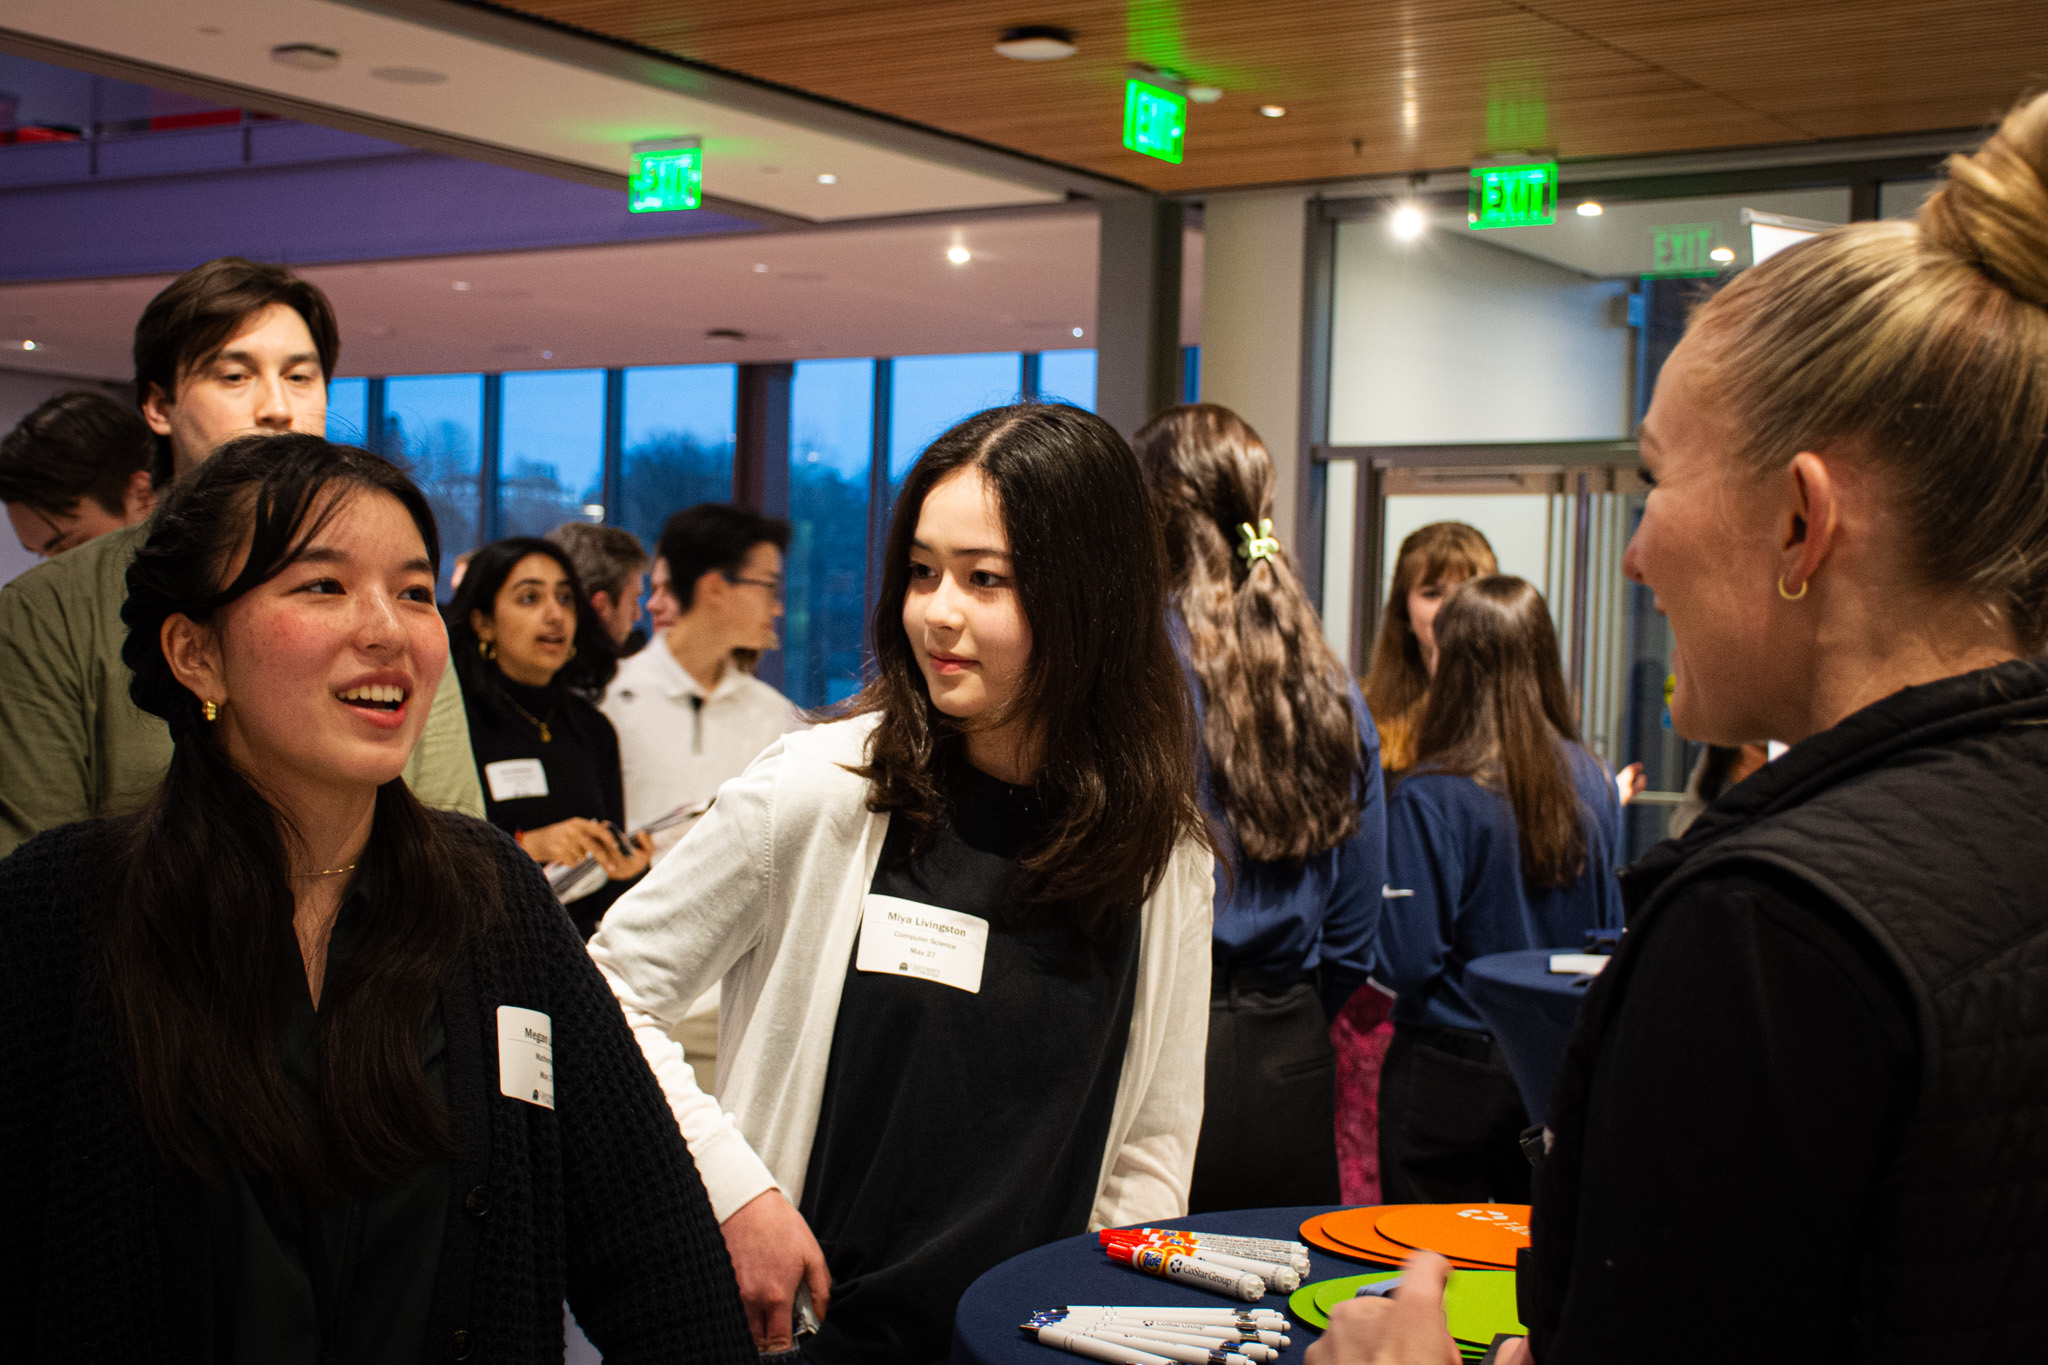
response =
{"points": [[512, 778], [906, 938], [526, 1056]]}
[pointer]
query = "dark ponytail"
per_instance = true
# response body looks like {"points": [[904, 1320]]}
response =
{"points": [[1284, 748], [196, 949]]}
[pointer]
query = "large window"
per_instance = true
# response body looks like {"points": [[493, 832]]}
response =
{"points": [[932, 392], [348, 411], [1067, 377], [433, 425], [677, 439], [551, 461], [831, 446]]}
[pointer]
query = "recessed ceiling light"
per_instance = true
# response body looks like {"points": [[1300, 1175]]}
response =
{"points": [[1036, 43], [305, 56], [1407, 222], [547, 355], [1591, 209], [1077, 331], [1273, 110], [461, 286], [1722, 254], [828, 179], [1204, 94], [760, 269], [959, 255], [28, 345], [408, 75]]}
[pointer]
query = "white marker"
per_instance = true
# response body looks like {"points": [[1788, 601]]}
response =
{"points": [[1209, 1353], [1249, 1333], [1258, 1248], [1116, 1352], [1280, 1278], [1189, 1270], [1250, 1350], [1265, 1317]]}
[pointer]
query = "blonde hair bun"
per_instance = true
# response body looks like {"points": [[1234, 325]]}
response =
{"points": [[1993, 212]]}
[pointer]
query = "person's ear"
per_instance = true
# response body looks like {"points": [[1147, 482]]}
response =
{"points": [[601, 603], [711, 590], [193, 652], [1809, 529], [156, 410], [138, 500], [486, 629]]}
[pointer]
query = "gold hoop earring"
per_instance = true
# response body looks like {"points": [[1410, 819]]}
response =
{"points": [[572, 651], [209, 710], [486, 650], [1792, 596]]}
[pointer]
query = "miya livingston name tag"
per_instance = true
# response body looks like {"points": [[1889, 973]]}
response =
{"points": [[906, 938], [526, 1055]]}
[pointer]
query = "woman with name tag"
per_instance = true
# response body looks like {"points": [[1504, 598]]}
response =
{"points": [[533, 657], [302, 1070], [964, 931], [1289, 775], [1503, 836]]}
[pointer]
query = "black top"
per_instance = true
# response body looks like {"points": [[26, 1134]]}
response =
{"points": [[350, 1282], [1753, 1087], [106, 1254], [580, 757], [960, 1129]]}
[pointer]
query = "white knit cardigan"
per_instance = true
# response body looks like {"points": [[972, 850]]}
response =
{"points": [[765, 895]]}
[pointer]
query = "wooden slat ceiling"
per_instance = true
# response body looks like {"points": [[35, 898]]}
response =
{"points": [[1373, 87]]}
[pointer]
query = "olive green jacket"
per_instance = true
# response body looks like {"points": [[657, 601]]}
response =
{"points": [[72, 744]]}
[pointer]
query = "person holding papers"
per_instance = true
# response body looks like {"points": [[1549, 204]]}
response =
{"points": [[532, 656], [1502, 836], [964, 931], [303, 1070]]}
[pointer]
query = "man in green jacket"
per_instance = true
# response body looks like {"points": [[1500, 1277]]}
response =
{"points": [[228, 349]]}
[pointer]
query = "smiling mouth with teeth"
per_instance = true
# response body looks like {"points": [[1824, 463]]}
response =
{"points": [[378, 698]]}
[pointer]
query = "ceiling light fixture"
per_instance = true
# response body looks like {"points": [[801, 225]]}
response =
{"points": [[461, 286], [959, 255], [828, 179], [1591, 209], [1273, 110], [1036, 43], [305, 56], [760, 269], [408, 75], [1407, 222], [547, 355], [28, 345], [1722, 254], [1077, 331], [1204, 94]]}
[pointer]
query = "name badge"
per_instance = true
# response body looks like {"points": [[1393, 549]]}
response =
{"points": [[526, 1056], [512, 778], [906, 938]]}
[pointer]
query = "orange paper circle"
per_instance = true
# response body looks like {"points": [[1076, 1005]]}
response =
{"points": [[1487, 1233], [1352, 1233]]}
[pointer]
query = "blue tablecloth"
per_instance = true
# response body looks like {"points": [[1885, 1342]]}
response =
{"points": [[1531, 1012], [1076, 1271]]}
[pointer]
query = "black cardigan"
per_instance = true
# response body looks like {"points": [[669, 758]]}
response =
{"points": [[103, 1249]]}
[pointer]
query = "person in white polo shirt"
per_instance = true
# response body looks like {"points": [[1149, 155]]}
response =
{"points": [[688, 709]]}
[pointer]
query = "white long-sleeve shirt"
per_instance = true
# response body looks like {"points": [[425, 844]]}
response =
{"points": [[766, 894]]}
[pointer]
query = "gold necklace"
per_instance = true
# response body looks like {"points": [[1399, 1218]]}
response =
{"points": [[536, 721], [330, 872]]}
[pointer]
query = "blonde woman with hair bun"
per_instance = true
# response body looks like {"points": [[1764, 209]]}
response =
{"points": [[1805, 1114]]}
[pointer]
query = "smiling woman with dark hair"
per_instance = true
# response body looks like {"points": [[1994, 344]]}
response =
{"points": [[963, 932], [318, 1073]]}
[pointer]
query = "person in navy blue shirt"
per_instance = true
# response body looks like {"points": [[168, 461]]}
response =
{"points": [[1503, 837], [1289, 776]]}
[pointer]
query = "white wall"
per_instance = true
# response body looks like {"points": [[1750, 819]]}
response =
{"points": [[1448, 340], [20, 393]]}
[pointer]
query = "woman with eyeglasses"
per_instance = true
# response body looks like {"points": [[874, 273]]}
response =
{"points": [[533, 657]]}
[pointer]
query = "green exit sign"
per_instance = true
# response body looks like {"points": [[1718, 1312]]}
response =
{"points": [[667, 175], [1682, 250], [1514, 196], [1155, 119]]}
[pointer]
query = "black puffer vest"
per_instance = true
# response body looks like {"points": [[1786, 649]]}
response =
{"points": [[1925, 818]]}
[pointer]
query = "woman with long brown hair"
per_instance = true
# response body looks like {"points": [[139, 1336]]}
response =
{"points": [[1289, 765], [1433, 560], [307, 1071], [1501, 837], [962, 932]]}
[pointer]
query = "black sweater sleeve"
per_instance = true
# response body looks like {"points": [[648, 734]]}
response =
{"points": [[1748, 1097]]}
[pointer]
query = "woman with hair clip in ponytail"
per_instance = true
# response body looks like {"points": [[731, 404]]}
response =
{"points": [[1502, 837], [305, 1070], [1290, 778], [962, 932]]}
